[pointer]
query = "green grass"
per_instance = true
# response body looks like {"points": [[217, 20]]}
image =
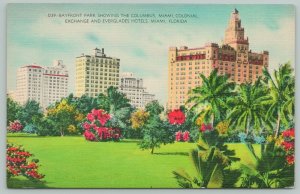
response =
{"points": [[72, 162]]}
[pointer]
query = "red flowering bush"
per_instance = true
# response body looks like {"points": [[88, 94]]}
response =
{"points": [[15, 126], [206, 127], [176, 117], [288, 145], [182, 136], [17, 163], [95, 129]]}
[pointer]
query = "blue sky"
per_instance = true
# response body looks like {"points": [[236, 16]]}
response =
{"points": [[32, 37]]}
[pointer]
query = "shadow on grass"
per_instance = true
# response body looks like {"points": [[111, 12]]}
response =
{"points": [[173, 153], [129, 141], [14, 183]]}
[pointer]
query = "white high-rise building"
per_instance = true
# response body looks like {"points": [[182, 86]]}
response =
{"points": [[134, 90], [46, 85]]}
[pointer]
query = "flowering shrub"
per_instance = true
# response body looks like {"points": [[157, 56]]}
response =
{"points": [[223, 127], [206, 127], [139, 118], [95, 130], [15, 126], [176, 117], [182, 136], [17, 163], [288, 144]]}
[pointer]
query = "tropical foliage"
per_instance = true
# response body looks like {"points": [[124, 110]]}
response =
{"points": [[210, 99], [118, 106], [274, 168], [281, 96], [212, 161], [248, 110]]}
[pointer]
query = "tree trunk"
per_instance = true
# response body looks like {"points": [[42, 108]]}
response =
{"points": [[277, 125], [248, 126], [61, 132], [152, 150], [212, 120]]}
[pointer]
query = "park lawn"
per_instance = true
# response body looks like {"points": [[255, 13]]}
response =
{"points": [[73, 162]]}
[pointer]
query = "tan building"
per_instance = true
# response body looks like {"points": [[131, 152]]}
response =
{"points": [[95, 73], [233, 58]]}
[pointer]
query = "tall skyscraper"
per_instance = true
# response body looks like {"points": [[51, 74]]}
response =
{"points": [[45, 85], [134, 90], [233, 58], [95, 73]]}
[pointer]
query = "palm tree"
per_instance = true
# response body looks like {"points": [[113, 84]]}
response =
{"points": [[85, 103], [117, 105], [289, 105], [212, 95], [281, 84], [248, 109]]}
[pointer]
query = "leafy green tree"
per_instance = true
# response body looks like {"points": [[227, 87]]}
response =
{"points": [[63, 115], [30, 113], [211, 97], [248, 106], [281, 102], [153, 133], [154, 108], [12, 109]]}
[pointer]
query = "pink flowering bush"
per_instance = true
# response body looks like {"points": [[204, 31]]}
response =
{"points": [[182, 136], [95, 129], [15, 126]]}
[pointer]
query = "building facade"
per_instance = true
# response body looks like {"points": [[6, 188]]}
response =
{"points": [[46, 85], [95, 73], [134, 90], [233, 57]]}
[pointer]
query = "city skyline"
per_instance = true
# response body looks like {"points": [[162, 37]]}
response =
{"points": [[145, 55]]}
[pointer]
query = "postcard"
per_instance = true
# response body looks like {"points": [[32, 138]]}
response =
{"points": [[150, 96]]}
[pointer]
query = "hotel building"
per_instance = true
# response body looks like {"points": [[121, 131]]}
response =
{"points": [[233, 57], [46, 85], [134, 90], [95, 73]]}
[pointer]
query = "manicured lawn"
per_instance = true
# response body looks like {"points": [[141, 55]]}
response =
{"points": [[72, 162]]}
